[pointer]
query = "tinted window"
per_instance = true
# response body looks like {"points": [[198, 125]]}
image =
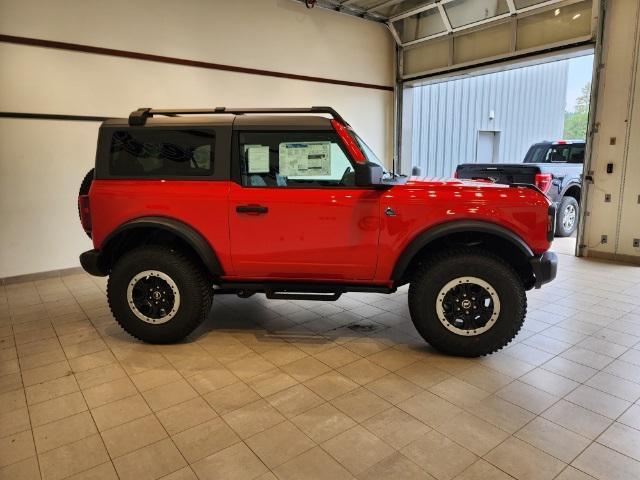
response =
{"points": [[160, 153], [558, 154], [294, 159], [536, 154], [577, 154]]}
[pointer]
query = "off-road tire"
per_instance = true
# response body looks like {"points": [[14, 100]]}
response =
{"points": [[194, 286], [433, 275], [84, 190], [566, 202]]}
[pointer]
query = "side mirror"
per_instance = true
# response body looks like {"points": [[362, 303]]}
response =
{"points": [[370, 175]]}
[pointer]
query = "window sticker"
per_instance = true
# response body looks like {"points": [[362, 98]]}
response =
{"points": [[309, 159], [258, 158]]}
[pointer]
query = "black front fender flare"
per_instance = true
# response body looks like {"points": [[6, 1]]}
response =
{"points": [[459, 226]]}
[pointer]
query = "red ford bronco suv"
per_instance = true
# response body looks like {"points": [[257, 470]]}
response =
{"points": [[185, 205]]}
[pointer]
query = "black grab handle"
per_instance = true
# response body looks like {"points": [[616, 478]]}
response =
{"points": [[256, 209]]}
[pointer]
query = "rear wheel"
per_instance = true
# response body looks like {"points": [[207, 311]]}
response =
{"points": [[567, 219], [84, 190], [467, 302], [158, 295]]}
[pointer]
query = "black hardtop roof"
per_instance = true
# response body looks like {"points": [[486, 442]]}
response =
{"points": [[249, 122]]}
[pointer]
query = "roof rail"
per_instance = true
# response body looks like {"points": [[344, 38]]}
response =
{"points": [[139, 117]]}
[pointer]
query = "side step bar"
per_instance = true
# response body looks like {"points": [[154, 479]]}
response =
{"points": [[296, 291]]}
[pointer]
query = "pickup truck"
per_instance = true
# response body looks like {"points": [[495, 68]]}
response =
{"points": [[554, 167]]}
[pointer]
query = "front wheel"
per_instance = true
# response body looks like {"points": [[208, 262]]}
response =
{"points": [[467, 302], [158, 294], [567, 220]]}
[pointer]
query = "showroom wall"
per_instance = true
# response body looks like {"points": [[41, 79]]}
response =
{"points": [[617, 140], [43, 161]]}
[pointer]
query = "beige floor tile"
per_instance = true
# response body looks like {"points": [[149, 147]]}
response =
{"points": [[392, 359], [185, 473], [233, 463], [279, 444], [396, 466], [48, 390], [502, 414], [615, 386], [109, 392], [100, 375], [598, 401], [151, 462], [430, 408], [569, 369], [622, 439], [294, 401], [205, 439], [92, 360], [212, 379], [57, 408], [473, 433], [549, 382], [231, 398], [577, 419], [12, 400], [16, 447], [393, 388], [253, 418], [483, 470], [571, 473], [185, 415], [395, 427], [631, 417], [106, 471], [323, 422], [527, 397], [283, 355], [61, 432], [305, 369], [422, 374], [85, 348], [133, 435], [119, 412], [11, 382], [155, 377], [606, 464], [357, 449], [485, 378], [363, 371], [337, 357], [459, 392], [47, 372], [524, 461], [23, 470], [439, 456], [271, 382], [41, 359], [165, 396], [315, 464], [360, 404], [13, 422], [331, 385], [73, 458], [553, 439], [250, 366]]}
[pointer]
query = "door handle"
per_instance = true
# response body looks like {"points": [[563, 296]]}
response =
{"points": [[252, 209]]}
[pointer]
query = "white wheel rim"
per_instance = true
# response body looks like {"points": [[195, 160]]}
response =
{"points": [[131, 301], [450, 322], [569, 217]]}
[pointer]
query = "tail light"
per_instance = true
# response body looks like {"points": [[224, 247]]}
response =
{"points": [[85, 213], [543, 181], [348, 141]]}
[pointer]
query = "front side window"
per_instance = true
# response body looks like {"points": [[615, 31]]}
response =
{"points": [[313, 159], [161, 153], [577, 154]]}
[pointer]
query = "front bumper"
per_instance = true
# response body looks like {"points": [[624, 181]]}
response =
{"points": [[544, 267], [92, 263]]}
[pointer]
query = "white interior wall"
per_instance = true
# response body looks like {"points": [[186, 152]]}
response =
{"points": [[617, 139], [42, 162]]}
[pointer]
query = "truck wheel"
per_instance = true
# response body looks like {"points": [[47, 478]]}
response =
{"points": [[158, 294], [567, 219], [467, 302], [84, 189]]}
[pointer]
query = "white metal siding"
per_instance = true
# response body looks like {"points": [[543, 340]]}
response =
{"points": [[528, 105]]}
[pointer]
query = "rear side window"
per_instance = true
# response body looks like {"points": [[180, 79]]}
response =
{"points": [[161, 153], [577, 154]]}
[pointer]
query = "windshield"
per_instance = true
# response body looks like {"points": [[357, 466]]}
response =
{"points": [[368, 153]]}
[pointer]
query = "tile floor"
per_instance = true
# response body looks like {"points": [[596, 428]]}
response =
{"points": [[307, 390]]}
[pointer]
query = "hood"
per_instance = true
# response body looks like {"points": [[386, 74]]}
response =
{"points": [[431, 182]]}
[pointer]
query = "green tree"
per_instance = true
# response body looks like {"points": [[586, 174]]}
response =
{"points": [[575, 122]]}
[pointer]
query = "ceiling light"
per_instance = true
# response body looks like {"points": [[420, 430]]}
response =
{"points": [[557, 12], [576, 16]]}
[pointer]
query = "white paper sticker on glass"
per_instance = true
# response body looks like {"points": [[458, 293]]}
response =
{"points": [[258, 158], [308, 159]]}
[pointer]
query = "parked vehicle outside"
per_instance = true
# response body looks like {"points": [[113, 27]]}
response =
{"points": [[554, 167], [186, 205]]}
